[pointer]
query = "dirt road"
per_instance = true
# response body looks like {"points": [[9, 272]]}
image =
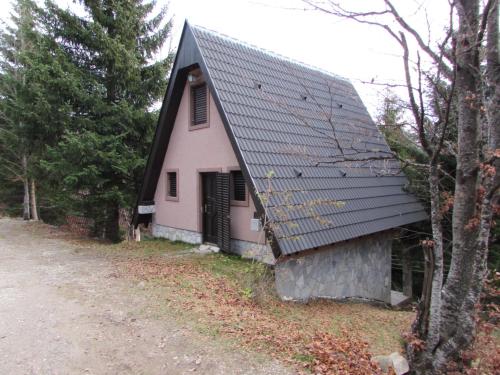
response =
{"points": [[62, 311]]}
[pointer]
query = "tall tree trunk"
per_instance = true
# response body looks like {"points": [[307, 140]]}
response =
{"points": [[437, 247], [456, 336], [490, 181], [428, 321], [113, 223], [34, 208], [456, 331], [26, 199], [475, 190]]}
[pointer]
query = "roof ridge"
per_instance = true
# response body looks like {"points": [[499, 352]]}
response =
{"points": [[269, 52]]}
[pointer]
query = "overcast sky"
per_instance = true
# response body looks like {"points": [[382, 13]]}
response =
{"points": [[358, 52]]}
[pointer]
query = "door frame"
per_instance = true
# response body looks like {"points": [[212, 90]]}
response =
{"points": [[199, 199]]}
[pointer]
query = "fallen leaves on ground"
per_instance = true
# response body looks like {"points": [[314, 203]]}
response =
{"points": [[300, 334], [268, 326], [343, 355]]}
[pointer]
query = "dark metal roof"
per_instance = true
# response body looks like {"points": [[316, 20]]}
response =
{"points": [[305, 134]]}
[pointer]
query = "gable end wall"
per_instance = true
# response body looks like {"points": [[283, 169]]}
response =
{"points": [[189, 151]]}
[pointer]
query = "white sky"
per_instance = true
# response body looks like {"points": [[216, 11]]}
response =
{"points": [[358, 52]]}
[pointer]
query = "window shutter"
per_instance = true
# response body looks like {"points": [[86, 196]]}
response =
{"points": [[238, 191], [223, 211], [172, 184], [199, 104]]}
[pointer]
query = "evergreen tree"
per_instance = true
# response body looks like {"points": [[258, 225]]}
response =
{"points": [[30, 107], [391, 122], [15, 129], [101, 157]]}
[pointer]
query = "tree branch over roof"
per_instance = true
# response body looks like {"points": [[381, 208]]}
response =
{"points": [[447, 71], [417, 112]]}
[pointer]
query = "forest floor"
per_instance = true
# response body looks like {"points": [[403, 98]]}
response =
{"points": [[76, 306]]}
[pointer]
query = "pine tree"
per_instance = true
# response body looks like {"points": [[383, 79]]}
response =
{"points": [[27, 122], [102, 155], [13, 132]]}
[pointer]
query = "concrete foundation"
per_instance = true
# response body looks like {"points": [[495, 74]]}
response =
{"points": [[252, 250], [359, 268], [174, 234], [245, 249]]}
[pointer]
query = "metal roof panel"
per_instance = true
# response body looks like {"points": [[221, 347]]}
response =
{"points": [[307, 126]]}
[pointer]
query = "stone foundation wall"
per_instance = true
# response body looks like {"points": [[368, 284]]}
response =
{"points": [[245, 249], [359, 268], [252, 250], [174, 234]]}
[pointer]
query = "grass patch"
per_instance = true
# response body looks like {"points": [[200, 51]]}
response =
{"points": [[306, 358], [149, 248], [225, 296]]}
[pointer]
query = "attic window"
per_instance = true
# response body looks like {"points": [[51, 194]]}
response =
{"points": [[304, 97], [172, 184], [257, 85], [199, 105], [239, 196]]}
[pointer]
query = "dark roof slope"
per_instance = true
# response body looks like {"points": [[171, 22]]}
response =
{"points": [[307, 134], [304, 135]]}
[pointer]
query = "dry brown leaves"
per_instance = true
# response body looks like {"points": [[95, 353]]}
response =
{"points": [[218, 301], [345, 355], [484, 356]]}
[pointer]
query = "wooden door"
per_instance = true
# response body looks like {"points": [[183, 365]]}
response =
{"points": [[209, 207]]}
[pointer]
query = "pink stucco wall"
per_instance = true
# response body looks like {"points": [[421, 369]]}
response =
{"points": [[192, 151]]}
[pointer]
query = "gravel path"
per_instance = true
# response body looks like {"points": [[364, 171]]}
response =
{"points": [[62, 311]]}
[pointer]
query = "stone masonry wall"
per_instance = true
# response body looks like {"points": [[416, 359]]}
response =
{"points": [[359, 268]]}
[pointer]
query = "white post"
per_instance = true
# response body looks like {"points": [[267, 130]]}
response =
{"points": [[137, 234]]}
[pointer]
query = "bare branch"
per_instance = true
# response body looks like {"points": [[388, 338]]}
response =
{"points": [[360, 17], [447, 71], [386, 84], [414, 106], [439, 146], [484, 21]]}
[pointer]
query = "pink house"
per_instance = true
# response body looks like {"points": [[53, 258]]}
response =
{"points": [[186, 194], [274, 160]]}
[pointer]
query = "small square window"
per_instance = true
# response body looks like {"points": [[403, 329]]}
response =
{"points": [[238, 189], [172, 183], [199, 105]]}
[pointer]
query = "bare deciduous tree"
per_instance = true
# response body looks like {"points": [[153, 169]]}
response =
{"points": [[465, 76]]}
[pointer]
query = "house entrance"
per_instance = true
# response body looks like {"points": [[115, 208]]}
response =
{"points": [[209, 207], [215, 200]]}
